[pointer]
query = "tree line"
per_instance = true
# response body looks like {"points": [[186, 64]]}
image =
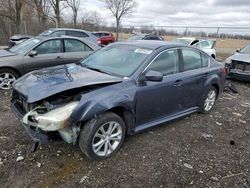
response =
{"points": [[34, 16]]}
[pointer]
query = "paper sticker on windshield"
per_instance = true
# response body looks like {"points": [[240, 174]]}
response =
{"points": [[143, 51]]}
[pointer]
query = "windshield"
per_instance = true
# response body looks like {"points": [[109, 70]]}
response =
{"points": [[182, 41], [136, 37], [25, 46], [46, 33], [246, 49], [119, 60]]}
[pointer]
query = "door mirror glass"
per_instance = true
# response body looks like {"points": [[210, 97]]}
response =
{"points": [[32, 53], [154, 76]]}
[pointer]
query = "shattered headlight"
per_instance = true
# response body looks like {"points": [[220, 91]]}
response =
{"points": [[53, 120]]}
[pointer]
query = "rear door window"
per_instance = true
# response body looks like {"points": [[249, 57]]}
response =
{"points": [[73, 45], [191, 59], [77, 34], [152, 38], [58, 33]]}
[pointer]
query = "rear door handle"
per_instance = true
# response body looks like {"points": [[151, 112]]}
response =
{"points": [[178, 83], [58, 57]]}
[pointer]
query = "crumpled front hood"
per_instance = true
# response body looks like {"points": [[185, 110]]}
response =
{"points": [[241, 57], [41, 84], [5, 53]]}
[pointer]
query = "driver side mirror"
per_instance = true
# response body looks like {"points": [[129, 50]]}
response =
{"points": [[33, 53], [154, 76]]}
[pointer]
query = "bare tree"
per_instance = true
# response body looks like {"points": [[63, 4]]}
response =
{"points": [[57, 10], [120, 8], [91, 20], [74, 5], [11, 9], [43, 9]]}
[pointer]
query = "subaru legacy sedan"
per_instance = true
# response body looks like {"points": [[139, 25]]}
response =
{"points": [[119, 90]]}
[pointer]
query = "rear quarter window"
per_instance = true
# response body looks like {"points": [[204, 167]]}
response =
{"points": [[205, 60]]}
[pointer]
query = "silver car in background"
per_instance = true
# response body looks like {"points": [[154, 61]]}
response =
{"points": [[239, 64], [40, 52]]}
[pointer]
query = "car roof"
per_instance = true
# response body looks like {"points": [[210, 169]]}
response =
{"points": [[101, 32], [187, 38], [146, 35], [150, 44], [69, 29]]}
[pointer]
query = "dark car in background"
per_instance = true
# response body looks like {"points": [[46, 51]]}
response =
{"points": [[40, 52], [239, 64], [146, 37], [104, 38], [58, 32], [123, 88]]}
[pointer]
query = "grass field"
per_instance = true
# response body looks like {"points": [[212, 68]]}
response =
{"points": [[221, 43], [224, 47]]}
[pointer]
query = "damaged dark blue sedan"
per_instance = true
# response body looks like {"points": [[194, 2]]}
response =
{"points": [[120, 90]]}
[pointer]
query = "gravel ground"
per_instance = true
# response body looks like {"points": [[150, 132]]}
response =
{"points": [[211, 150]]}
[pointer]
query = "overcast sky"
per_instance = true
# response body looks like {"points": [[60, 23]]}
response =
{"points": [[180, 12]]}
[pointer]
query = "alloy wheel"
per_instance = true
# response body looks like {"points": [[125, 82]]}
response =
{"points": [[107, 138], [6, 80], [210, 100]]}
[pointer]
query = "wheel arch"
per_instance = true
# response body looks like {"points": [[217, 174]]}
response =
{"points": [[90, 111], [217, 87], [11, 68], [127, 115]]}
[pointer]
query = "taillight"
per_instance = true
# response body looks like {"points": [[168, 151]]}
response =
{"points": [[225, 70]]}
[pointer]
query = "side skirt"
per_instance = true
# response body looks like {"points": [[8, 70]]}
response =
{"points": [[154, 123]]}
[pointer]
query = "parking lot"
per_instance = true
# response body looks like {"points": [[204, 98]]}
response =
{"points": [[197, 151]]}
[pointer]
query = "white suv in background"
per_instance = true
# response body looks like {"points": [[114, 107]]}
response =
{"points": [[207, 45]]}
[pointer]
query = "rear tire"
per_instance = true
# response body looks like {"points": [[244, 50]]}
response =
{"points": [[208, 100], [7, 78], [102, 136]]}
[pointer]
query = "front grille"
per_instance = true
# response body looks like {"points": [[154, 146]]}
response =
{"points": [[240, 65]]}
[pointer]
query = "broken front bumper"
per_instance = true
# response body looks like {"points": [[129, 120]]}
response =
{"points": [[36, 134], [239, 75], [44, 127]]}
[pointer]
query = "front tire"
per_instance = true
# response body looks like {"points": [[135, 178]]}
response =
{"points": [[209, 99], [7, 78], [102, 136]]}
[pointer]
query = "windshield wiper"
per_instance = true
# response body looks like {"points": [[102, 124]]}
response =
{"points": [[99, 70], [67, 73]]}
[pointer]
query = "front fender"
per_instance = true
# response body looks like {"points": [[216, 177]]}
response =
{"points": [[98, 102]]}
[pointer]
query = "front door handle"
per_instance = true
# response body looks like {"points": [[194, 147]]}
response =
{"points": [[58, 57], [178, 83]]}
